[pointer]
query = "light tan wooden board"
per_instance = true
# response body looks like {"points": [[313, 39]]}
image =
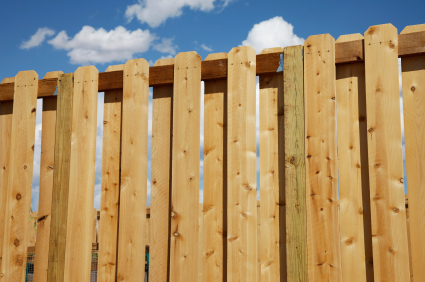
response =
{"points": [[32, 228], [15, 242], [6, 111], [215, 181], [356, 240], [273, 239], [47, 159], [184, 243], [389, 231], [241, 166], [413, 75], [294, 170], [201, 243], [110, 183], [324, 263], [134, 163], [162, 108], [81, 175]]}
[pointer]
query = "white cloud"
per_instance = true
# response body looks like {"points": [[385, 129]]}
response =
{"points": [[206, 48], [100, 46], [37, 38], [156, 12], [275, 32], [166, 46]]}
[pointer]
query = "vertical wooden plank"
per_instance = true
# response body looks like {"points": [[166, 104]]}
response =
{"points": [[134, 165], [81, 175], [161, 179], [241, 166], [32, 223], [60, 187], [185, 168], [6, 110], [215, 181], [110, 183], [324, 263], [94, 220], [413, 74], [409, 240], [15, 242], [258, 242], [389, 231], [356, 237], [273, 242], [47, 159], [294, 171], [201, 242]]}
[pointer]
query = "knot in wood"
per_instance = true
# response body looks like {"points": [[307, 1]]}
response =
{"points": [[413, 88], [16, 242], [18, 196], [176, 234]]}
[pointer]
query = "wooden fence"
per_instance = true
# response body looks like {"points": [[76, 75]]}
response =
{"points": [[332, 202]]}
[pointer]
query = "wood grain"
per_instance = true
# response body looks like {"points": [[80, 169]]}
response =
{"points": [[324, 263], [413, 75], [241, 166], [134, 165], [47, 159], [389, 231], [185, 168], [294, 170], [110, 183], [6, 111], [162, 121], [273, 242], [215, 180], [356, 244], [81, 175], [15, 242], [32, 223]]}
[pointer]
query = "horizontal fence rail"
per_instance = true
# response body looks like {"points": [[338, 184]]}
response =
{"points": [[330, 205]]}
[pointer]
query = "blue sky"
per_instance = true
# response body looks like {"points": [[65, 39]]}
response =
{"points": [[59, 35]]}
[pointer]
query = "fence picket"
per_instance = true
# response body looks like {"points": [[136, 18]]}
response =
{"points": [[413, 74], [6, 111], [162, 121], [134, 164], [324, 263], [185, 172], [81, 175], [294, 173], [110, 183], [389, 231], [273, 241], [241, 166], [47, 159], [215, 191], [356, 240], [19, 187]]}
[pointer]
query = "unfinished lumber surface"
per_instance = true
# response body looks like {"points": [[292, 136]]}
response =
{"points": [[32, 223], [185, 168], [215, 153], [241, 166], [110, 183], [19, 186], [81, 175], [272, 242], [134, 163], [294, 171], [389, 231], [47, 159], [324, 263], [60, 185], [162, 107], [413, 75], [350, 90], [6, 111]]}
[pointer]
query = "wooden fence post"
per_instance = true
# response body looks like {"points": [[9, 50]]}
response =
{"points": [[18, 201], [324, 263], [294, 173], [413, 73], [185, 168], [241, 166]]}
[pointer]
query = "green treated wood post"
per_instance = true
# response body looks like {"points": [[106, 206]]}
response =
{"points": [[295, 185], [58, 225]]}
